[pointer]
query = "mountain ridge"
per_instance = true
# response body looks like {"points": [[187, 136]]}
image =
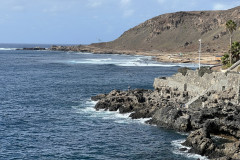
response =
{"points": [[179, 32]]}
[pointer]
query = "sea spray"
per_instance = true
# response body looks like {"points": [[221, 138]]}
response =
{"points": [[115, 116], [183, 150]]}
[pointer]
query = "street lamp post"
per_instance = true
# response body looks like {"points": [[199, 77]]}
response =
{"points": [[200, 48]]}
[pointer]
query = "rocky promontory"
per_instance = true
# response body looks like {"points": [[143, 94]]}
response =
{"points": [[172, 37], [212, 113]]}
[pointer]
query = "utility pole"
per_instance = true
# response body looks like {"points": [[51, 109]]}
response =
{"points": [[200, 48]]}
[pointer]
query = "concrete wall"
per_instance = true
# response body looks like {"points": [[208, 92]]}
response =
{"points": [[196, 85]]}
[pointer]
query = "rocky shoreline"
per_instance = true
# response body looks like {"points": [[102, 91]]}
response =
{"points": [[33, 48], [172, 57], [166, 106]]}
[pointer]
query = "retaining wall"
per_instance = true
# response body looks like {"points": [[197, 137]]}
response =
{"points": [[197, 85]]}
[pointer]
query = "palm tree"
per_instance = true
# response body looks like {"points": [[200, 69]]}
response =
{"points": [[231, 26], [235, 51]]}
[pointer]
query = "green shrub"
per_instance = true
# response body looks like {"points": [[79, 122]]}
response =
{"points": [[225, 59]]}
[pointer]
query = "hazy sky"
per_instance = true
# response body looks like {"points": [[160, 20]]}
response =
{"points": [[86, 21]]}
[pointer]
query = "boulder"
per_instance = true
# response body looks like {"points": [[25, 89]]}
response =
{"points": [[200, 142], [102, 105], [172, 117], [230, 150]]}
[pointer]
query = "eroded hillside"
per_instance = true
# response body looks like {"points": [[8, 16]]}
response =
{"points": [[180, 31]]}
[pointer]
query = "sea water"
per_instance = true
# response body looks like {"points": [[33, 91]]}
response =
{"points": [[46, 111]]}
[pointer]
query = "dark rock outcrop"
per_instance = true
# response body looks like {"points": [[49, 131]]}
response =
{"points": [[215, 112], [200, 142], [33, 48], [166, 108]]}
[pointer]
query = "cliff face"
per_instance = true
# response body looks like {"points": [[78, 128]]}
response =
{"points": [[179, 32]]}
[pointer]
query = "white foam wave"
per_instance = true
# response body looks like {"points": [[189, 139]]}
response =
{"points": [[114, 115], [144, 64], [177, 145], [88, 110], [81, 53], [142, 120], [91, 103], [100, 60], [123, 60], [183, 133], [7, 49], [137, 62], [91, 61], [88, 107]]}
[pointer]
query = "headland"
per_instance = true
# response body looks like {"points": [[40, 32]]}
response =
{"points": [[173, 37], [201, 102]]}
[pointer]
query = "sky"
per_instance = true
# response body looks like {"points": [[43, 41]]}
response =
{"points": [[86, 21]]}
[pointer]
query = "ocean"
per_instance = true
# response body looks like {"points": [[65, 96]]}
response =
{"points": [[46, 112]]}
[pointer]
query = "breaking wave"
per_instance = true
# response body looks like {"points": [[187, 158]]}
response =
{"points": [[126, 61], [177, 145], [7, 49], [88, 110]]}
